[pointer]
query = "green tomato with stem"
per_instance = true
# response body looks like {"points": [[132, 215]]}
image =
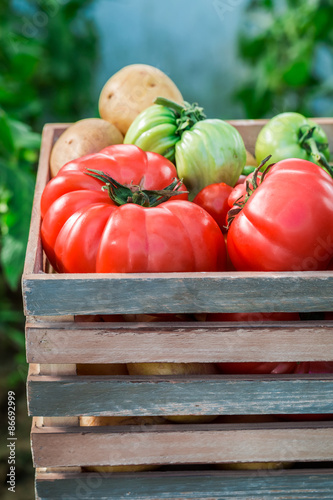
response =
{"points": [[205, 151], [291, 135]]}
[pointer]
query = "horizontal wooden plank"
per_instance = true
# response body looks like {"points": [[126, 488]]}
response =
{"points": [[182, 444], [47, 342], [309, 484], [58, 294], [179, 395]]}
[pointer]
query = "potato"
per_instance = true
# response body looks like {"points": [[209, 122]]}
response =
{"points": [[250, 159], [131, 90], [84, 137]]}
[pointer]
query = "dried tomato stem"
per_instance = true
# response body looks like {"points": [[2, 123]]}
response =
{"points": [[121, 194]]}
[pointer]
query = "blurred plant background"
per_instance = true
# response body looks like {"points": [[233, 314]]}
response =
{"points": [[287, 47], [261, 57], [48, 50]]}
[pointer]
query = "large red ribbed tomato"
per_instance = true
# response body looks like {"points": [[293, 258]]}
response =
{"points": [[286, 224], [85, 231]]}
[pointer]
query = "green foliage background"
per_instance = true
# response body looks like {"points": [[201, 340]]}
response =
{"points": [[48, 52], [287, 47]]}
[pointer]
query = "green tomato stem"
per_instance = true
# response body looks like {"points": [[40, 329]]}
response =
{"points": [[307, 142], [175, 106], [318, 155], [187, 114], [121, 194]]}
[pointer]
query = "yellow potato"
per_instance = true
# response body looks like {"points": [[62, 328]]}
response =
{"points": [[84, 137], [131, 90], [250, 159]]}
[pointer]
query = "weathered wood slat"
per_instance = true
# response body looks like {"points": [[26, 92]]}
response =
{"points": [[193, 292], [179, 395], [178, 342], [53, 294], [210, 485], [182, 444]]}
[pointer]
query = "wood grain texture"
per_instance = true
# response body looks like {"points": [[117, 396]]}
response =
{"points": [[178, 342], [34, 253], [56, 294], [179, 395], [51, 294], [209, 485], [182, 444]]}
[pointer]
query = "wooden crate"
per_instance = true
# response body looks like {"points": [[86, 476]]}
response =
{"points": [[57, 396]]}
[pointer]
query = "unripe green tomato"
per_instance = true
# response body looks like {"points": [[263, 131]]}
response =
{"points": [[155, 130], [211, 151], [204, 151], [282, 137]]}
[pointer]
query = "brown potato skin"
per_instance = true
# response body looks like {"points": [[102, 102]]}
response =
{"points": [[84, 137], [133, 89]]}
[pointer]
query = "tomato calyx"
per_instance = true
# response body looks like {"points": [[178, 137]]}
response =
{"points": [[122, 194], [307, 142], [250, 186], [187, 114]]}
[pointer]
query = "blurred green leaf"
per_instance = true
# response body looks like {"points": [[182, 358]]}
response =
{"points": [[281, 48], [6, 138], [12, 256]]}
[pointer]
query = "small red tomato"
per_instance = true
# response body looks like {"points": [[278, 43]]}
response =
{"points": [[214, 199]]}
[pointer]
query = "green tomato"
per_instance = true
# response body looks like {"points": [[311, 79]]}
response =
{"points": [[212, 151], [155, 130], [204, 151], [291, 135]]}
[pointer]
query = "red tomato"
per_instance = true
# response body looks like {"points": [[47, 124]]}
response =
{"points": [[214, 199], [83, 230], [239, 191], [255, 367], [287, 223]]}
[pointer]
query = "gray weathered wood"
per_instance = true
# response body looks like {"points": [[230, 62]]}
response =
{"points": [[56, 294], [172, 395], [46, 294], [308, 484], [48, 342], [182, 444]]}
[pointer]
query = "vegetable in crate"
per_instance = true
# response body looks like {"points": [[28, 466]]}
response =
{"points": [[214, 199], [131, 90], [291, 135], [82, 138], [205, 151], [92, 223], [286, 222]]}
